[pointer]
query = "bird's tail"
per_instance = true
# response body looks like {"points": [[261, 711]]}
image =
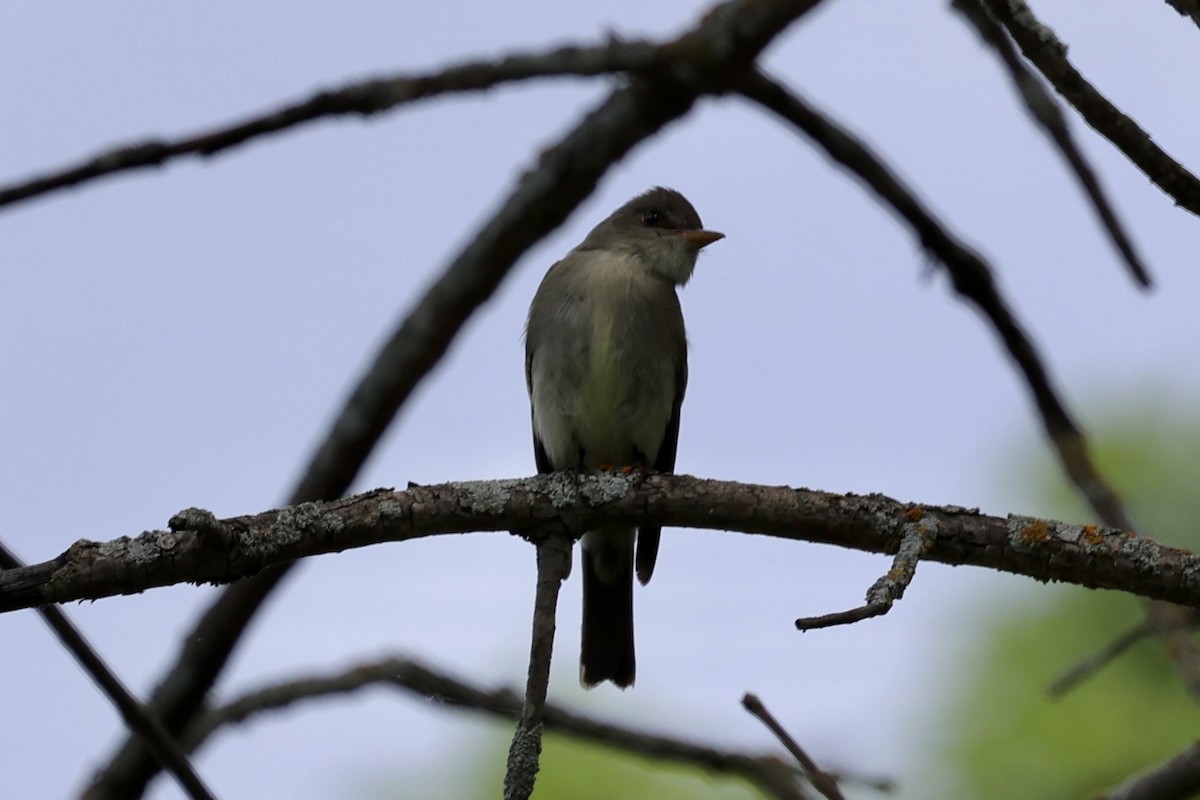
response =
{"points": [[607, 653]]}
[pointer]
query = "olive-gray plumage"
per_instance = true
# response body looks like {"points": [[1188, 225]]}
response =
{"points": [[606, 368]]}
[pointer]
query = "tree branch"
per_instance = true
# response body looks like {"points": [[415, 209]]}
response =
{"points": [[972, 279], [561, 504], [730, 35], [1089, 666], [915, 540], [821, 780], [766, 771], [1046, 52], [1046, 113], [137, 717], [970, 275], [364, 98], [524, 755]]}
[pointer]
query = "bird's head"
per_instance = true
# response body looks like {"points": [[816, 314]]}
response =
{"points": [[661, 229]]}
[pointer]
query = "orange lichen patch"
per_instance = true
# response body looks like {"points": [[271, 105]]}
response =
{"points": [[1091, 535], [1035, 532], [914, 513]]}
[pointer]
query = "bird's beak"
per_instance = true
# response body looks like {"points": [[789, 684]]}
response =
{"points": [[700, 238]]}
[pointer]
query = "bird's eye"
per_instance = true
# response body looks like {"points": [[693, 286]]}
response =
{"points": [[651, 219]]}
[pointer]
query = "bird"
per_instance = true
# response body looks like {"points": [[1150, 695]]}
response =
{"points": [[606, 370]]}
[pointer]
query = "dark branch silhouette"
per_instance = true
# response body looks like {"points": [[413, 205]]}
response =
{"points": [[767, 772], [1046, 112], [1044, 50], [136, 716]]}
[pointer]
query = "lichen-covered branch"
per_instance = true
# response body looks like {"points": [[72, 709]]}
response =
{"points": [[200, 548]]}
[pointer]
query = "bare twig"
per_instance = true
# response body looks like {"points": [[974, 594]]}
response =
{"points": [[1176, 626], [766, 771], [137, 717], [916, 538], [1045, 110], [1175, 779], [364, 98], [1045, 51], [1087, 555], [727, 39], [554, 564], [822, 781], [1089, 666]]}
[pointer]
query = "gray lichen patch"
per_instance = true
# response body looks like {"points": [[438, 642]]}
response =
{"points": [[288, 528], [486, 497], [561, 487], [147, 548], [605, 486], [391, 511]]}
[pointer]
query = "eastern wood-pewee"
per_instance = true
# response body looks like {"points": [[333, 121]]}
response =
{"points": [[606, 368]]}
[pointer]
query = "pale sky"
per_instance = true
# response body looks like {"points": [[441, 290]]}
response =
{"points": [[181, 337]]}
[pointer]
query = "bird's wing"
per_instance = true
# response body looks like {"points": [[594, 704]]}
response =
{"points": [[648, 537], [539, 452]]}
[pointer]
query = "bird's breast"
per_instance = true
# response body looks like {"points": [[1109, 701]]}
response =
{"points": [[603, 377], [628, 392]]}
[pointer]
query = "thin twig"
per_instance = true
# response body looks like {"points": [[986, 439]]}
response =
{"points": [[524, 755], [136, 716], [1089, 666], [364, 98], [1043, 108], [1045, 51], [731, 34], [917, 537], [1176, 626], [767, 772], [822, 781]]}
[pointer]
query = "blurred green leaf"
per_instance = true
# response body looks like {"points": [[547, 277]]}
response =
{"points": [[1004, 735]]}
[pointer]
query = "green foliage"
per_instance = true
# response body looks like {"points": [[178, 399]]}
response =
{"points": [[1005, 736], [572, 770]]}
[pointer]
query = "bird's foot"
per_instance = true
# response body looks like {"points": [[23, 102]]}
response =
{"points": [[623, 469]]}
